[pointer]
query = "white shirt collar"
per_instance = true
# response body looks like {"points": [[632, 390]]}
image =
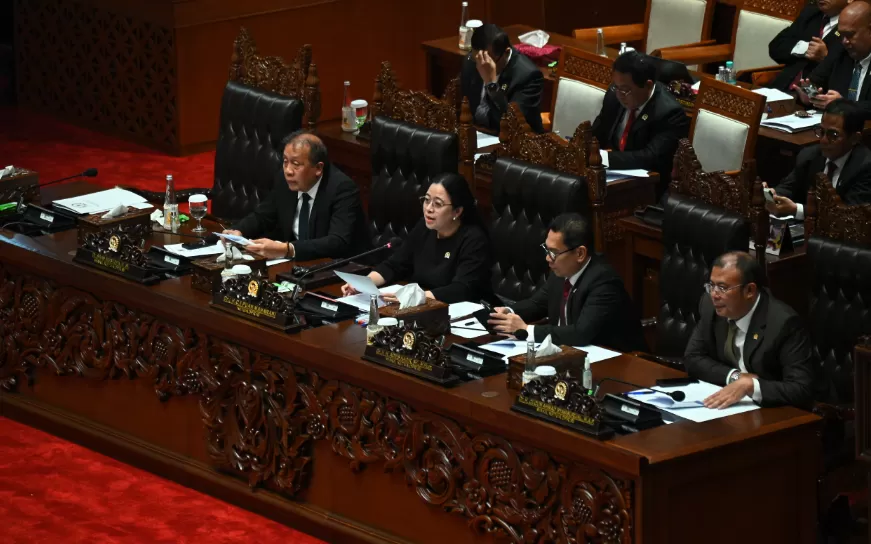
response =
{"points": [[744, 322], [314, 190], [577, 275], [833, 22]]}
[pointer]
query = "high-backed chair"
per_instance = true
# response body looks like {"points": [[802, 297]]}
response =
{"points": [[725, 125], [582, 81], [414, 137], [666, 23], [862, 359]]}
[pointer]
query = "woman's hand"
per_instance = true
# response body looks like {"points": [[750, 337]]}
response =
{"points": [[347, 290]]}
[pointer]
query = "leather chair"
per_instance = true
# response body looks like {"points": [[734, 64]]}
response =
{"points": [[405, 158], [525, 198], [693, 235]]}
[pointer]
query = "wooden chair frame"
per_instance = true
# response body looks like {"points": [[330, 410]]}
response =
{"points": [[827, 215], [581, 66]]}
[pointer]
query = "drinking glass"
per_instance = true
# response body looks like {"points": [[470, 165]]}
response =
{"points": [[198, 208]]}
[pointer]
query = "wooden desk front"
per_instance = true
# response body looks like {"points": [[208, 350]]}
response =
{"points": [[352, 452]]}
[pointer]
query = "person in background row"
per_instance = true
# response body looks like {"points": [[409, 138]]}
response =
{"points": [[448, 251]]}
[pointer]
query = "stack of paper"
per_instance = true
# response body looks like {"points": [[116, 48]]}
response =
{"points": [[793, 123], [691, 407], [101, 202], [773, 95]]}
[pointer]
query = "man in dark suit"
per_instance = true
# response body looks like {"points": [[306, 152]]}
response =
{"points": [[584, 299], [494, 74], [748, 341], [840, 154], [640, 122], [805, 43], [842, 73], [314, 211]]}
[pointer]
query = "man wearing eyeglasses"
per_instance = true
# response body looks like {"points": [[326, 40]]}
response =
{"points": [[748, 341], [841, 155], [584, 299], [640, 122]]}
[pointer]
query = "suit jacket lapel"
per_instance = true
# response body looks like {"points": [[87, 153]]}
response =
{"points": [[850, 167], [756, 332], [721, 330], [866, 84], [288, 225]]}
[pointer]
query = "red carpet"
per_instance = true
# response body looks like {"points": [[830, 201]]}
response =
{"points": [[56, 150], [55, 491]]}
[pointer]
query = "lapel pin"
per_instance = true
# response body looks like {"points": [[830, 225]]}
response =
{"points": [[504, 86], [756, 337], [447, 254], [644, 117]]}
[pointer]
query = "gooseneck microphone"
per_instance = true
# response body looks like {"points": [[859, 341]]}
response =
{"points": [[302, 271], [89, 173], [678, 396]]}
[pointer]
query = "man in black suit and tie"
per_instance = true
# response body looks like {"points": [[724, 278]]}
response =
{"points": [[640, 122], [842, 73], [840, 154], [314, 211], [494, 74], [805, 43], [748, 341], [584, 299]]}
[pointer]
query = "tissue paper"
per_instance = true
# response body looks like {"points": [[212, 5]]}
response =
{"points": [[410, 295], [236, 255], [536, 38], [547, 348], [117, 211]]}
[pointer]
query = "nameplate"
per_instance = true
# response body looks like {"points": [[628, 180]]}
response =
{"points": [[252, 311], [48, 218], [171, 260], [561, 416], [410, 365], [475, 359], [330, 306], [116, 266]]}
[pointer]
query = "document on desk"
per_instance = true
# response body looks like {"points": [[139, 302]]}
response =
{"points": [[614, 175], [216, 249], [691, 407], [362, 284], [462, 309], [485, 140], [468, 328], [99, 202], [596, 354], [361, 300], [773, 95], [508, 347], [241, 240], [793, 123]]}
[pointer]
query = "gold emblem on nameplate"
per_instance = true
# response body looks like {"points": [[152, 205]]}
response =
{"points": [[408, 340], [560, 390], [114, 243], [253, 288], [447, 254]]}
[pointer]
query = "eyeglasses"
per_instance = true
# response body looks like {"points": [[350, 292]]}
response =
{"points": [[832, 134], [719, 289], [437, 204], [622, 92], [550, 253]]}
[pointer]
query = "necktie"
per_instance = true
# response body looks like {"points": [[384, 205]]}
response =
{"points": [[729, 348], [831, 168], [625, 135], [853, 91], [567, 288], [303, 217], [823, 26]]}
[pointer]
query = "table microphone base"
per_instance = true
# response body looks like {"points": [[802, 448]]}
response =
{"points": [[323, 277]]}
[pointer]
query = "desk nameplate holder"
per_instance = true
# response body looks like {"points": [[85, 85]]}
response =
{"points": [[119, 253], [47, 220], [475, 363], [206, 271], [564, 402], [410, 350], [324, 277], [255, 299], [170, 262], [327, 308], [569, 359]]}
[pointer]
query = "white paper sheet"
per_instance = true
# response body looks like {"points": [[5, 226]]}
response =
{"points": [[613, 175], [464, 332], [691, 407], [773, 95], [485, 140], [362, 284], [462, 309], [99, 202], [361, 300], [508, 347], [596, 354], [792, 123], [606, 161], [141, 205], [274, 262], [241, 240], [216, 249]]}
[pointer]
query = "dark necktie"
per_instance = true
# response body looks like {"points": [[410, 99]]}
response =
{"points": [[823, 26], [729, 350], [853, 91], [625, 136], [831, 168], [303, 217], [567, 289]]}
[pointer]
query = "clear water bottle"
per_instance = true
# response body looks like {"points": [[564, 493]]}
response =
{"points": [[730, 73], [600, 43], [349, 115], [623, 48], [529, 368], [171, 220], [372, 327], [587, 378], [721, 74], [465, 41]]}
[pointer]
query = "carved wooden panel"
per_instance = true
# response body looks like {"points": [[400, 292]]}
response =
{"points": [[862, 383], [262, 416], [729, 104], [579, 64], [98, 67], [417, 107], [782, 9], [828, 215], [297, 80]]}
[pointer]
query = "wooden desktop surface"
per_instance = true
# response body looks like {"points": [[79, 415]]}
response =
{"points": [[98, 349]]}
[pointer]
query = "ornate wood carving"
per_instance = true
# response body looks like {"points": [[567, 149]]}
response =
{"points": [[417, 107], [862, 385], [297, 80], [782, 9], [262, 416], [579, 64], [79, 61], [828, 216], [731, 104]]}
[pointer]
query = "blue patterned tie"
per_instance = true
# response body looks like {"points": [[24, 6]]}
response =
{"points": [[853, 91]]}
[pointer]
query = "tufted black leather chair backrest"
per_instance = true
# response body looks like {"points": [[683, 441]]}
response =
{"points": [[405, 158], [693, 235], [525, 198], [248, 160], [840, 309]]}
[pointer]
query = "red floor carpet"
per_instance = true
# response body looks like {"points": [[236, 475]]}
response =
{"points": [[54, 491], [55, 150]]}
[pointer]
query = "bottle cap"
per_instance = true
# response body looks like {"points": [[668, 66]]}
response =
{"points": [[587, 362], [359, 103], [464, 4], [241, 269], [388, 322], [728, 63], [545, 370], [474, 23], [347, 83]]}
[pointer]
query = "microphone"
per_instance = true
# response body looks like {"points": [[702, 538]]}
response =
{"points": [[89, 173], [678, 396], [301, 272]]}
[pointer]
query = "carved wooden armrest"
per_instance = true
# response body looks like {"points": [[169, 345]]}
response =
{"points": [[696, 54], [613, 34], [670, 362], [834, 412]]}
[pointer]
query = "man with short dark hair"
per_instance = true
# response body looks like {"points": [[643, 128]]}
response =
{"points": [[584, 299], [841, 155], [494, 74], [748, 341], [313, 212], [640, 121]]}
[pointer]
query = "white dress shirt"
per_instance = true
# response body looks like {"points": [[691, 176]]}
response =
{"points": [[743, 325], [574, 281], [801, 46], [625, 119], [311, 193], [839, 167]]}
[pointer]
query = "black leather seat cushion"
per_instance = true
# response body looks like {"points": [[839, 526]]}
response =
{"points": [[525, 198], [840, 309], [405, 158], [693, 235], [248, 160]]}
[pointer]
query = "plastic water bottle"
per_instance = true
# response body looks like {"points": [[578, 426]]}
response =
{"points": [[372, 327], [587, 379], [529, 368], [349, 115], [465, 41], [730, 73], [171, 220], [600, 43], [721, 74]]}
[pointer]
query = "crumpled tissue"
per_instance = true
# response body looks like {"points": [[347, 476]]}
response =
{"points": [[410, 295]]}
